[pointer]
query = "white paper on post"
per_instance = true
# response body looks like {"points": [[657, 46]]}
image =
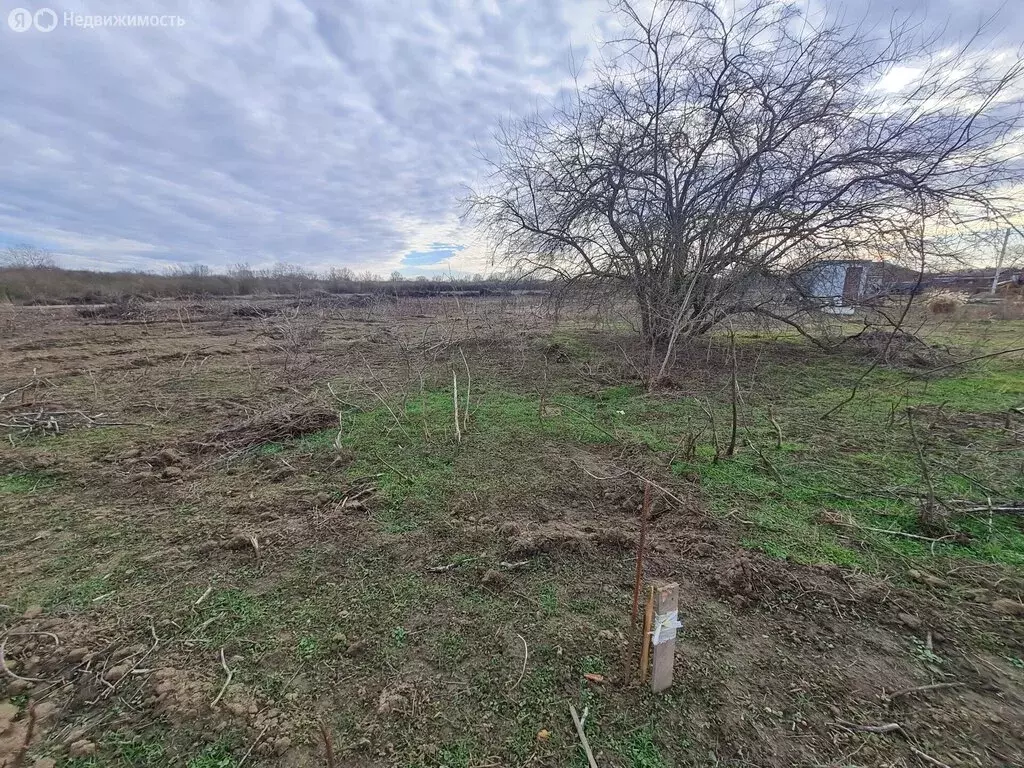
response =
{"points": [[665, 626]]}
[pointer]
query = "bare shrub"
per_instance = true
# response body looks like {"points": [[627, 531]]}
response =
{"points": [[722, 146], [27, 257]]}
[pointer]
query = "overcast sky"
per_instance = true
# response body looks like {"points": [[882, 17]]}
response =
{"points": [[321, 133]]}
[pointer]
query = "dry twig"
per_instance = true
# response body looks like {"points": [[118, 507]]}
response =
{"points": [[922, 689], [928, 758], [583, 737], [227, 682], [884, 728], [526, 655], [3, 660], [252, 746]]}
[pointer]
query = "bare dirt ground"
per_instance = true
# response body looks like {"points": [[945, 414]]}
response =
{"points": [[246, 533]]}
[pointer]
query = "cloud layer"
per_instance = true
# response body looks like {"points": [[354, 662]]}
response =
{"points": [[319, 133]]}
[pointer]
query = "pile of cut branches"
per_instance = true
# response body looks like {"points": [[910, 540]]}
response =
{"points": [[272, 426]]}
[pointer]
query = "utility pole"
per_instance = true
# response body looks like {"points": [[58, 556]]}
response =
{"points": [[999, 264]]}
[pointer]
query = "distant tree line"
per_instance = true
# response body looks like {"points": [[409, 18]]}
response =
{"points": [[31, 275]]}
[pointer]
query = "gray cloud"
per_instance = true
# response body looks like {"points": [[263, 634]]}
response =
{"points": [[321, 133]]}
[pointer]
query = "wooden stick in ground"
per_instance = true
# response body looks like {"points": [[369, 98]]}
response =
{"points": [[645, 638], [666, 611], [469, 385], [638, 578], [583, 737], [455, 401]]}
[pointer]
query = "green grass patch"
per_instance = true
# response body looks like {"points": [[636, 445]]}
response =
{"points": [[859, 461], [26, 482]]}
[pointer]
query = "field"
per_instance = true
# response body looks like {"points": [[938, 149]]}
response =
{"points": [[260, 533]]}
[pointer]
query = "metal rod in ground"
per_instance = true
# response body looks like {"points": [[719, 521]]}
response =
{"points": [[638, 579], [645, 637]]}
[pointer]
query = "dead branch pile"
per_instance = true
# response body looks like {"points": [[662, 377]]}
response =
{"points": [[125, 308], [562, 537], [276, 425], [50, 421], [900, 348]]}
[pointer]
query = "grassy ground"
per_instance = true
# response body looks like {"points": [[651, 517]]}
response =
{"points": [[433, 601]]}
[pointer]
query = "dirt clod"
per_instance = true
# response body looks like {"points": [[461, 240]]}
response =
{"points": [[114, 674], [82, 748], [910, 620], [927, 578], [168, 457], [493, 578], [356, 648], [7, 714], [237, 542]]}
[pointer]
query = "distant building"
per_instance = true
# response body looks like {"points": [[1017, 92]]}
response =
{"points": [[837, 285]]}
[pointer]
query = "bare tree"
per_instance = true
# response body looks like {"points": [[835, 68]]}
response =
{"points": [[719, 145], [27, 257]]}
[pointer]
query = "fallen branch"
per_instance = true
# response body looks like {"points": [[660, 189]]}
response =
{"points": [[3, 660], [253, 746], [526, 655], [450, 566], [589, 420], [884, 728], [891, 532], [1014, 509], [393, 468], [661, 488], [928, 758], [227, 682], [921, 689], [583, 737], [930, 371]]}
